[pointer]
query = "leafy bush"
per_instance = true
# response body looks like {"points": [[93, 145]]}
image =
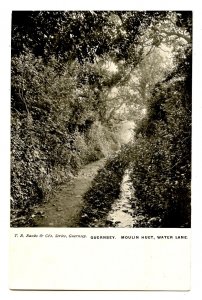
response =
{"points": [[162, 162], [52, 129]]}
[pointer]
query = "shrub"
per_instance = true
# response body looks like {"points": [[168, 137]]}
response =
{"points": [[52, 130], [162, 159]]}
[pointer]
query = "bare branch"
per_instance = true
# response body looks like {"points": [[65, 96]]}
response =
{"points": [[178, 34]]}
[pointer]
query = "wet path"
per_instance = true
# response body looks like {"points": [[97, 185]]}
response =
{"points": [[64, 207], [121, 214]]}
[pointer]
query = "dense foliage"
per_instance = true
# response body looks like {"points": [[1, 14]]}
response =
{"points": [[161, 154], [74, 76], [81, 35], [55, 128], [162, 159], [58, 87]]}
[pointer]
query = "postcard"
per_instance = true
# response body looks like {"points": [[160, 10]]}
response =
{"points": [[101, 123]]}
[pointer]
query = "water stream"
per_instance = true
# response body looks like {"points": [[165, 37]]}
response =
{"points": [[121, 214]]}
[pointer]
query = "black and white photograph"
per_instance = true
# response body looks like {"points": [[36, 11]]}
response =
{"points": [[103, 120], [101, 106]]}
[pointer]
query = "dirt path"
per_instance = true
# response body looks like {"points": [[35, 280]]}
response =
{"points": [[63, 208]]}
